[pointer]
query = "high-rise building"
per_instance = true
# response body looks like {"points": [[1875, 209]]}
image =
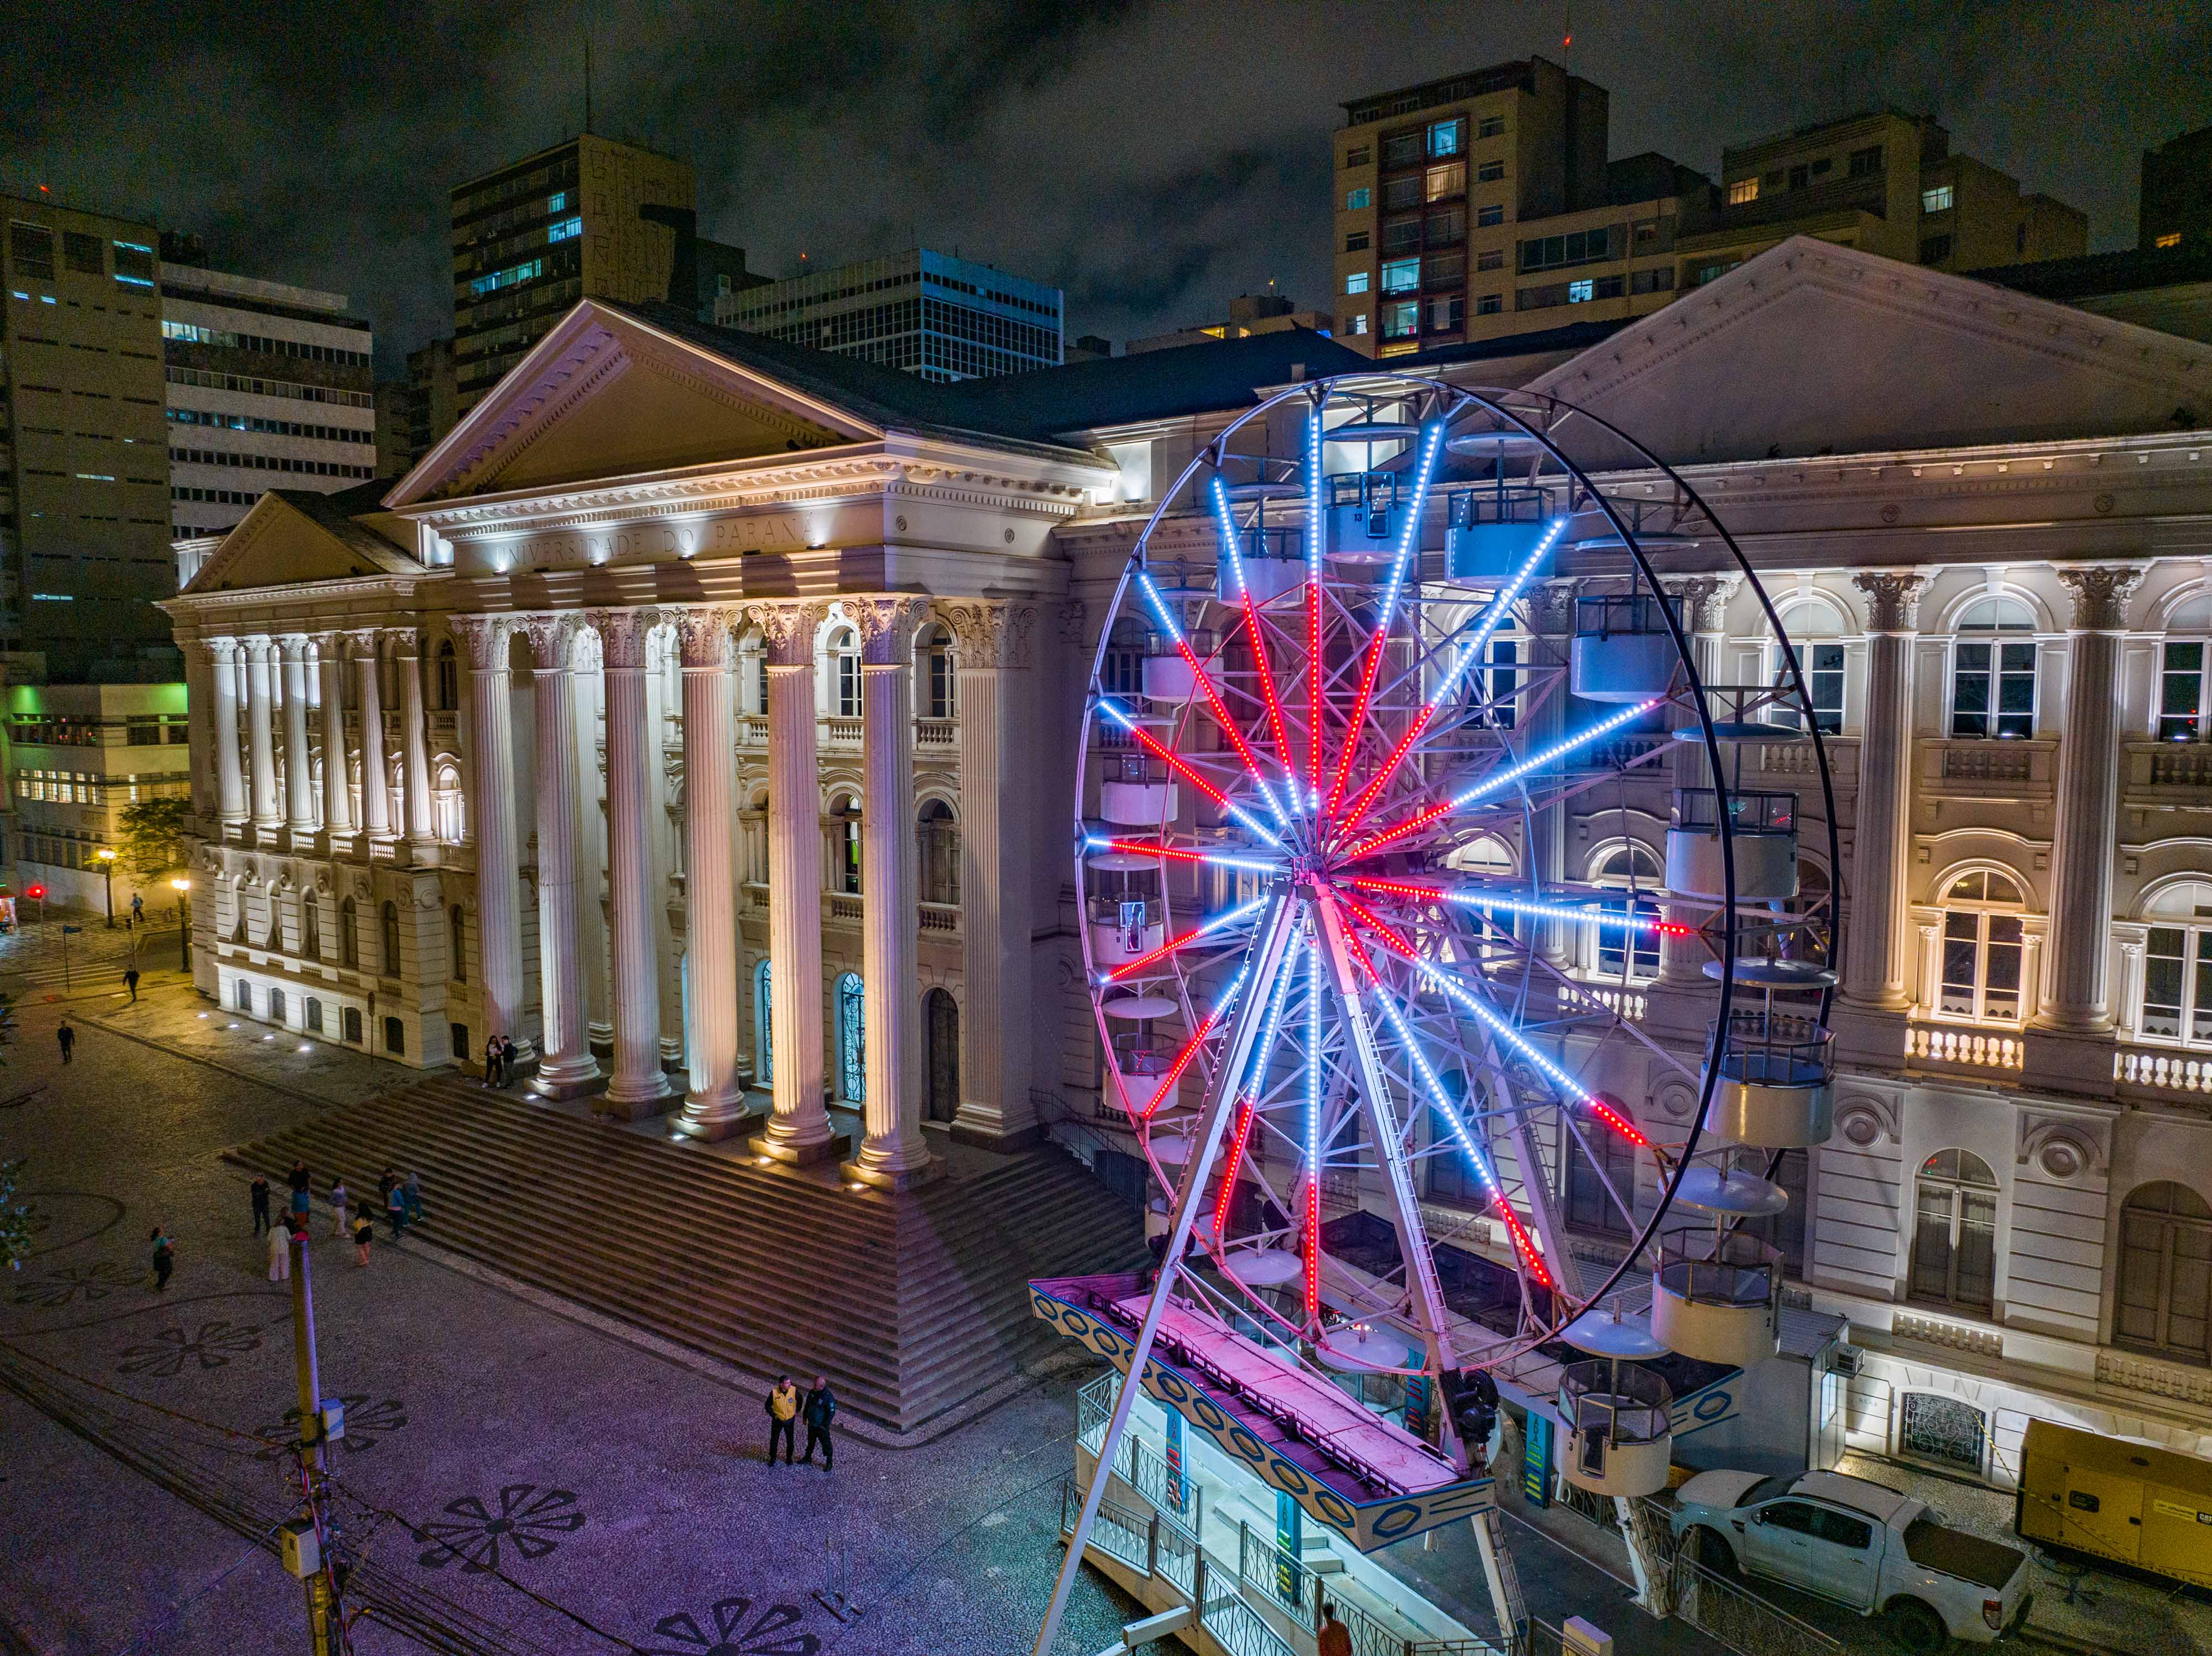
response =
{"points": [[395, 413], [1463, 205], [589, 218], [920, 311], [270, 386], [432, 399], [1249, 313], [84, 463], [2177, 193]]}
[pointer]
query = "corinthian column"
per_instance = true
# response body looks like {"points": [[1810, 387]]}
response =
{"points": [[639, 1087], [894, 1154], [491, 744], [299, 775], [375, 803], [1705, 615], [267, 815], [994, 909], [1875, 964], [337, 798], [230, 773], [565, 1067], [414, 730], [799, 1131], [716, 1103], [2080, 999]]}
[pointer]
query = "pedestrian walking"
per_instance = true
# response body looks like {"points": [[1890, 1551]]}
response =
{"points": [[66, 1037], [782, 1418], [364, 1233], [338, 1209], [165, 1257], [491, 1061], [301, 1180], [280, 1252], [259, 1191], [411, 1188], [1334, 1639], [820, 1407], [137, 909], [131, 982]]}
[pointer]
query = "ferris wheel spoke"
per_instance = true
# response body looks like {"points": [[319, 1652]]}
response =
{"points": [[1220, 922], [1204, 681]]}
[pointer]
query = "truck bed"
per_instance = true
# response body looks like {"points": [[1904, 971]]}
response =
{"points": [[1955, 1552]]}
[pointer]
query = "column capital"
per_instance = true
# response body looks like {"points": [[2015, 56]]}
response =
{"points": [[1551, 607], [622, 634], [703, 635], [484, 637], [886, 626], [223, 650], [365, 640], [990, 631], [327, 641], [406, 642], [293, 643], [1071, 615], [2100, 596], [258, 646], [1893, 598], [551, 638], [1704, 599], [789, 629]]}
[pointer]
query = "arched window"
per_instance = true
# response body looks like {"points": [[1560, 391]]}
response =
{"points": [[1494, 687], [349, 935], [2185, 709], [457, 931], [390, 923], [763, 1026], [940, 1023], [245, 996], [1613, 952], [2176, 986], [1983, 949], [1993, 670], [845, 825], [446, 682], [852, 1040], [447, 814], [1491, 859], [845, 674], [1954, 1231], [2165, 1273], [937, 839], [935, 670], [1819, 653], [310, 926], [275, 1004]]}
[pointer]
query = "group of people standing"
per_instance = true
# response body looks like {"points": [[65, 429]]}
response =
{"points": [[499, 1061], [786, 1407], [399, 1197]]}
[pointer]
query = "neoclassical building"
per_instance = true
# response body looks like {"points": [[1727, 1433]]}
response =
{"points": [[703, 715]]}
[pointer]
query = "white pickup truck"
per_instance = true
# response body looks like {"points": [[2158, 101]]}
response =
{"points": [[1862, 1545]]}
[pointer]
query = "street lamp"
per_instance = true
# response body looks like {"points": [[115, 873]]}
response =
{"points": [[106, 854], [183, 890]]}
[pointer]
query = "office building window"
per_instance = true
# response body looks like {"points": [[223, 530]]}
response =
{"points": [[1741, 191], [1984, 945], [1439, 183], [1490, 258], [1358, 155], [1954, 1232], [1490, 304], [1490, 172], [1938, 200], [1401, 275], [1358, 201], [1356, 282], [1447, 138], [1490, 126], [1356, 242], [1864, 162], [1493, 213], [1993, 672]]}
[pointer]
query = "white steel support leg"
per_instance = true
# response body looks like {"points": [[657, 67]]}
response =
{"points": [[1504, 1580], [1422, 1287], [1251, 1013], [1652, 1570]]}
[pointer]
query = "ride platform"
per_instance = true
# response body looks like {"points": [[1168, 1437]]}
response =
{"points": [[1366, 1479]]}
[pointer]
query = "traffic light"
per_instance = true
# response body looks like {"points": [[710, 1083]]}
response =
{"points": [[36, 893]]}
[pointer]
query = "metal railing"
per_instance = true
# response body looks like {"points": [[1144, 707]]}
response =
{"points": [[1240, 1629], [1727, 1612]]}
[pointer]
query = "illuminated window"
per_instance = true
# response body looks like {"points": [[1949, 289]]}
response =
{"points": [[1984, 946], [2172, 238], [1356, 282], [1401, 275], [1401, 320], [852, 1038], [1447, 138], [1439, 182], [764, 1025], [1356, 322], [1358, 201], [564, 230], [1580, 292], [1741, 191], [1938, 200], [1993, 676]]}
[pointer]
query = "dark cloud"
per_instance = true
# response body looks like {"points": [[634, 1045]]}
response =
{"points": [[1153, 159]]}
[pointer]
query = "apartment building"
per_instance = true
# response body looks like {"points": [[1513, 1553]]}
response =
{"points": [[1248, 314], [919, 311], [2177, 194], [84, 524], [76, 755], [269, 386]]}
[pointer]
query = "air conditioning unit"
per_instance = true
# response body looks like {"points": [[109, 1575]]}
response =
{"points": [[1845, 1360]]}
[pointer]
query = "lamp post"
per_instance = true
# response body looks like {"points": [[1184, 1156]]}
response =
{"points": [[183, 890], [106, 854]]}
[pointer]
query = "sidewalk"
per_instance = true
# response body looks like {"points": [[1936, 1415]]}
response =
{"points": [[174, 1017]]}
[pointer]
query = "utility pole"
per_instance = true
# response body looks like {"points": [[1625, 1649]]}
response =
{"points": [[322, 1597]]}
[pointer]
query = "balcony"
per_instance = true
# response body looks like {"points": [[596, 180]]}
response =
{"points": [[936, 734], [2160, 1072], [1794, 761], [2169, 774], [1962, 1048], [752, 730], [944, 918], [843, 735], [1967, 768], [842, 908]]}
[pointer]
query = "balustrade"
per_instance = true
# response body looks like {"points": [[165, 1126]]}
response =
{"points": [[2162, 1071], [1980, 1049]]}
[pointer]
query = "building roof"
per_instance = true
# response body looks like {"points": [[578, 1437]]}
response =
{"points": [[1569, 338], [2071, 280]]}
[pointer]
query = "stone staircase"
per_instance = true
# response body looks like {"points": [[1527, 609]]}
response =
{"points": [[913, 1303]]}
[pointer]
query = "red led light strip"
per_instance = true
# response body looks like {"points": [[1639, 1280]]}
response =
{"points": [[1229, 1178], [1182, 1062], [1267, 687]]}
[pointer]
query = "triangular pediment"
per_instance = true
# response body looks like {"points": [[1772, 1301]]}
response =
{"points": [[607, 395], [1814, 348], [288, 539]]}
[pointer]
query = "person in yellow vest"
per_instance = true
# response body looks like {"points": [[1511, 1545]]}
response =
{"points": [[782, 1418]]}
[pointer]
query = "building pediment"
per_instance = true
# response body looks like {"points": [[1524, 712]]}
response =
{"points": [[608, 396], [290, 538], [1812, 349]]}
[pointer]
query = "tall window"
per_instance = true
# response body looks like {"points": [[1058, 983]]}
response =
{"points": [[852, 1040], [445, 683], [937, 838], [1993, 670], [1823, 666], [1590, 1205], [2177, 990], [457, 937], [845, 666], [846, 816], [937, 674], [2165, 1273], [1954, 1232], [1613, 952], [276, 925], [310, 926], [446, 808], [391, 930], [763, 1026], [2184, 709], [1983, 949], [349, 935]]}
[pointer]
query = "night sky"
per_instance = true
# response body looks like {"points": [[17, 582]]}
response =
{"points": [[1152, 159]]}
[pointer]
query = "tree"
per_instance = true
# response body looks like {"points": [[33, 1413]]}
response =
{"points": [[153, 839]]}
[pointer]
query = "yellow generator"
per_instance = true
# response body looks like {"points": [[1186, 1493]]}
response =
{"points": [[2150, 1508]]}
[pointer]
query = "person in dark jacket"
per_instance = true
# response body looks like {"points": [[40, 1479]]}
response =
{"points": [[131, 982], [819, 1409], [301, 1181], [66, 1037], [259, 1191], [165, 1257]]}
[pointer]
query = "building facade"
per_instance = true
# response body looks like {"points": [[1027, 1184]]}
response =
{"points": [[77, 754], [1249, 313], [266, 383], [84, 519], [2176, 209], [921, 311], [797, 653]]}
